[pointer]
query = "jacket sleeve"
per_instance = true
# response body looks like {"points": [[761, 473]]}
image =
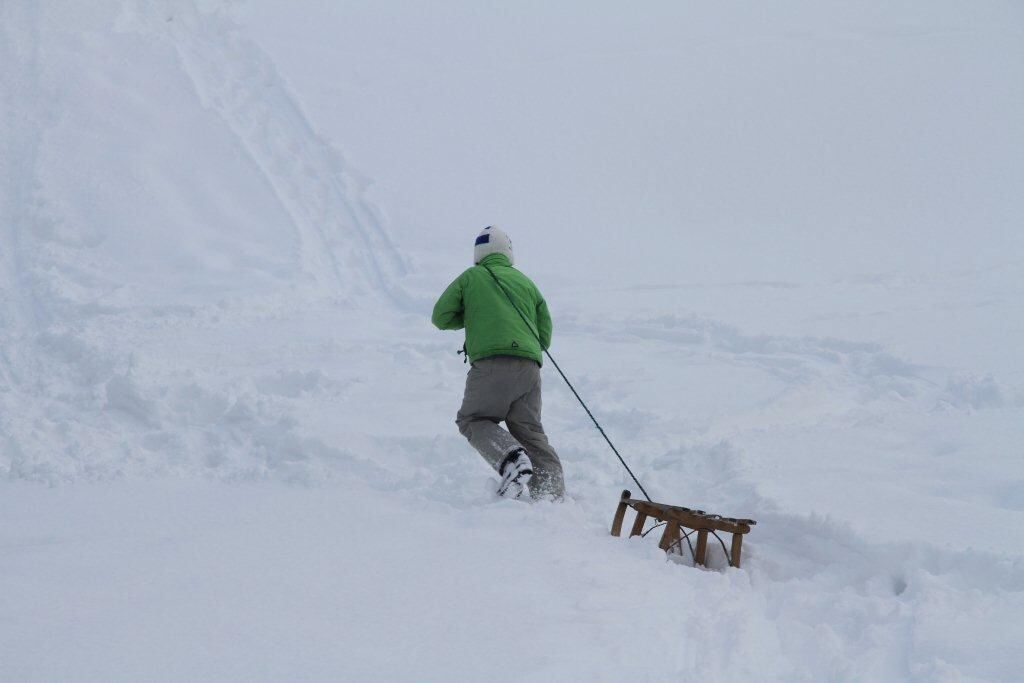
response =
{"points": [[543, 325], [449, 310]]}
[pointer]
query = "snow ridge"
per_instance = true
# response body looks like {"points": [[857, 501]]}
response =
{"points": [[341, 232]]}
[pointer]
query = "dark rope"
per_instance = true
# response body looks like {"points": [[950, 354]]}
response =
{"points": [[571, 387], [679, 542], [644, 534], [686, 537], [728, 557]]}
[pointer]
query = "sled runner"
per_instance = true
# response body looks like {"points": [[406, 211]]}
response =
{"points": [[676, 520]]}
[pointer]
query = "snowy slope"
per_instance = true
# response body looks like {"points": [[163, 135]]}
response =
{"points": [[783, 257]]}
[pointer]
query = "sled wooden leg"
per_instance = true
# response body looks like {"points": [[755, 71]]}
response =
{"points": [[638, 524], [737, 543], [620, 514], [670, 536], [700, 554]]}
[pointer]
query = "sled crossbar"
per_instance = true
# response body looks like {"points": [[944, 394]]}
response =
{"points": [[676, 519]]}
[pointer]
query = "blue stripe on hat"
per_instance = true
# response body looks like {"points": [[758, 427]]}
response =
{"points": [[482, 239]]}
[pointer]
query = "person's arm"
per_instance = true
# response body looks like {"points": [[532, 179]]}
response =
{"points": [[543, 325], [449, 310]]}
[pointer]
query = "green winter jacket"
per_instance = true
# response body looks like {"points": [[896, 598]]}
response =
{"points": [[493, 327]]}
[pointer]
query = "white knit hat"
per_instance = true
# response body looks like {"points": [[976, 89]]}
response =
{"points": [[492, 240]]}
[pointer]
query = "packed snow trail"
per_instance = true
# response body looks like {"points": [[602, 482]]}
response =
{"points": [[210, 353]]}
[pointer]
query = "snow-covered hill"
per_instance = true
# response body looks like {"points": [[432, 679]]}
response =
{"points": [[783, 253]]}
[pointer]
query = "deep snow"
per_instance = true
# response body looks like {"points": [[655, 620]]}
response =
{"points": [[782, 250]]}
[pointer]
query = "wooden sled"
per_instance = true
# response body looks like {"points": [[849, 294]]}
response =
{"points": [[676, 519]]}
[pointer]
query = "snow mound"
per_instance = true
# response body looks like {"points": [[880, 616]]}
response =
{"points": [[159, 176]]}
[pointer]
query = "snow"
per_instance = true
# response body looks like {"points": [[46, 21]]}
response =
{"points": [[783, 254]]}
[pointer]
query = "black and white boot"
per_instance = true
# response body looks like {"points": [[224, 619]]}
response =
{"points": [[515, 471]]}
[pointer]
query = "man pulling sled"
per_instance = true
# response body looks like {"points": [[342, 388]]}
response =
{"points": [[508, 328]]}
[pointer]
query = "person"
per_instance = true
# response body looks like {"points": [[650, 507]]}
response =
{"points": [[505, 348]]}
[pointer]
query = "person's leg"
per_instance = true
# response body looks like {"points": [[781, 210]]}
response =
{"points": [[523, 420], [490, 389]]}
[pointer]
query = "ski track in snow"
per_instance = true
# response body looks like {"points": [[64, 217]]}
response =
{"points": [[17, 47], [258, 388], [340, 231], [22, 313]]}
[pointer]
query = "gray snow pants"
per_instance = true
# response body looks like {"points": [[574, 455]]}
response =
{"points": [[507, 388]]}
